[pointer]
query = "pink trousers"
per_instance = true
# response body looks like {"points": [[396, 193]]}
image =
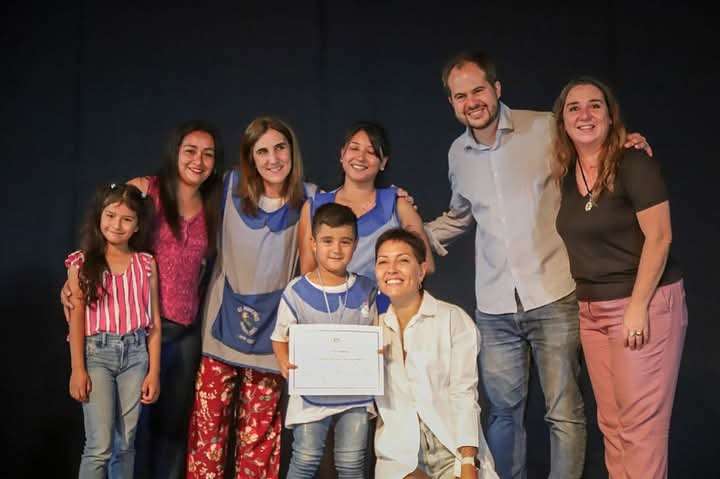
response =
{"points": [[635, 389]]}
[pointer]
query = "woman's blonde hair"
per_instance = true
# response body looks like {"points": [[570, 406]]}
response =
{"points": [[564, 149], [251, 185]]}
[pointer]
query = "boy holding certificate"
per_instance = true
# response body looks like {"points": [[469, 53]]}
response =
{"points": [[327, 295]]}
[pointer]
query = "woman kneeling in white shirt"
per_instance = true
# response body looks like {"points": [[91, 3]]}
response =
{"points": [[429, 417]]}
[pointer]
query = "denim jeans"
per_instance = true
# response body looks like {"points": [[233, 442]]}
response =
{"points": [[351, 434], [117, 366], [551, 335], [162, 433]]}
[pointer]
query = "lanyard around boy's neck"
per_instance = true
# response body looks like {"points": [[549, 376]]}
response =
{"points": [[327, 303]]}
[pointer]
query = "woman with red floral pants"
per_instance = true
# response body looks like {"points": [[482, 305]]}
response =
{"points": [[257, 425], [238, 385]]}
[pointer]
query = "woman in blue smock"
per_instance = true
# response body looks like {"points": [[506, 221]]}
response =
{"points": [[238, 385], [364, 157]]}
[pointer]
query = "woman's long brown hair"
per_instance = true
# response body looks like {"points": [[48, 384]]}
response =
{"points": [[251, 185], [564, 149], [210, 190]]}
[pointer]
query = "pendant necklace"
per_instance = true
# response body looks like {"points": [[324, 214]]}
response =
{"points": [[589, 204], [327, 303]]}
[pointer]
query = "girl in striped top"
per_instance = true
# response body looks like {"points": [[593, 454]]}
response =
{"points": [[114, 328]]}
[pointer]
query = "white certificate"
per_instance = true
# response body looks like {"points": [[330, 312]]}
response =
{"points": [[336, 360]]}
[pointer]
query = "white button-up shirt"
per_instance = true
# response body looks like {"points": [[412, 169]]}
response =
{"points": [[437, 382], [506, 189]]}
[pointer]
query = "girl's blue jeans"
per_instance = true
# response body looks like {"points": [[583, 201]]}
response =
{"points": [[351, 434], [117, 366]]}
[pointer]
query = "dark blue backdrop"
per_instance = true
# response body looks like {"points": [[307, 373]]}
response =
{"points": [[89, 92]]}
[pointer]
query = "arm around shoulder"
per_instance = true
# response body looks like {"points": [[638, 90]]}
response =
{"points": [[141, 182], [411, 221], [452, 224]]}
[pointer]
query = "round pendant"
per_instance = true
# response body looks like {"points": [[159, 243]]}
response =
{"points": [[588, 205]]}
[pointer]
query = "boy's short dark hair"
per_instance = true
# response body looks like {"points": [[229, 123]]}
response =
{"points": [[334, 215]]}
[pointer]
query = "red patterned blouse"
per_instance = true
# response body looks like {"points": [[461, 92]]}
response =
{"points": [[179, 261]]}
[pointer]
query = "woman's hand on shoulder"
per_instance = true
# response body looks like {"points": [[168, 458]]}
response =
{"points": [[403, 194], [639, 142], [66, 300], [141, 182]]}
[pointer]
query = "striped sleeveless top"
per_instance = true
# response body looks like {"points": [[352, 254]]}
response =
{"points": [[126, 304]]}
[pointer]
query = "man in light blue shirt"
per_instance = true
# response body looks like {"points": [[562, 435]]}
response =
{"points": [[499, 171]]}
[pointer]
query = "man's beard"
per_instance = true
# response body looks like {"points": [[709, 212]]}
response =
{"points": [[492, 116]]}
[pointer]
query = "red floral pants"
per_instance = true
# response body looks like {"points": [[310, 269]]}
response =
{"points": [[258, 421]]}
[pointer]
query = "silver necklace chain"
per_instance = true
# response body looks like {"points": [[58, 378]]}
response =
{"points": [[590, 203], [327, 303]]}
